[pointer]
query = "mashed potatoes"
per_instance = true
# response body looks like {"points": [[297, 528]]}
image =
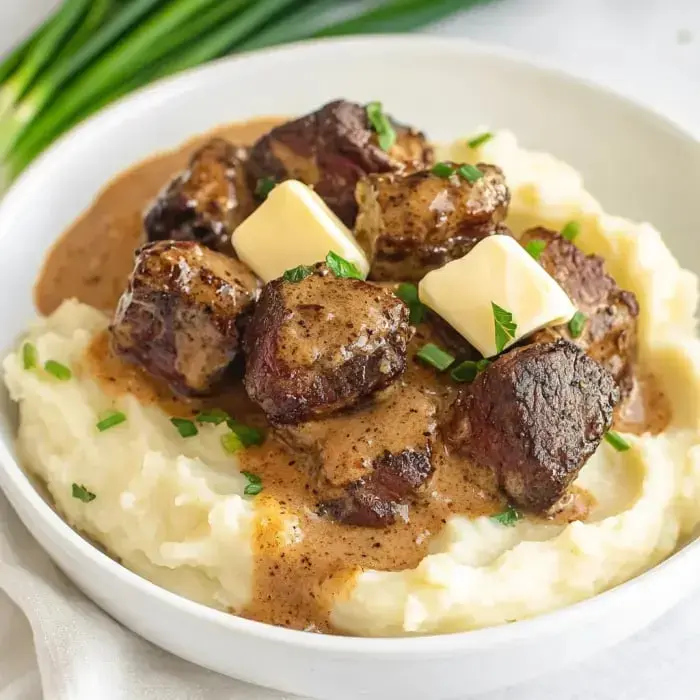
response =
{"points": [[174, 511]]}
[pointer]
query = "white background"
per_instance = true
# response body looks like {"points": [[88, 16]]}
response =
{"points": [[649, 50]]}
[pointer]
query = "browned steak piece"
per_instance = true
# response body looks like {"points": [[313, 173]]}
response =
{"points": [[205, 202], [610, 332], [410, 224], [331, 149], [178, 317], [534, 416], [321, 344], [372, 463]]}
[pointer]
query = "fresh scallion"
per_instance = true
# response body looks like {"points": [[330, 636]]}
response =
{"points": [[468, 370], [470, 173], [386, 136], [508, 517], [57, 370], [212, 415], [30, 356], [408, 293], [264, 186], [231, 443], [577, 324], [571, 231], [110, 419], [82, 494], [443, 169], [435, 356], [245, 433], [480, 140], [254, 485], [617, 441], [185, 427], [535, 247]]}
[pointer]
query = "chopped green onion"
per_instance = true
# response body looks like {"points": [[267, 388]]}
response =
{"points": [[480, 140], [382, 125], [535, 247], [340, 267], [468, 370], [435, 356], [245, 433], [571, 230], [297, 274], [231, 443], [576, 324], [185, 427], [504, 326], [212, 415], [254, 485], [408, 293], [443, 169], [111, 418], [30, 356], [470, 173], [617, 441], [82, 494], [508, 517], [264, 186], [61, 372]]}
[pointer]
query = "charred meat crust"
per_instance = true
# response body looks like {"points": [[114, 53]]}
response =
{"points": [[610, 332], [206, 201], [409, 224], [534, 416], [319, 345], [331, 149], [179, 316]]}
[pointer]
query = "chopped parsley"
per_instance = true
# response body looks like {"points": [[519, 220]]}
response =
{"points": [[297, 274], [57, 370], [571, 230], [254, 485], [246, 434], [110, 419], [535, 247], [504, 325], [231, 443], [212, 415], [508, 517], [480, 140], [576, 324], [470, 173], [340, 267], [408, 293], [386, 136], [30, 356], [617, 441], [264, 186], [433, 355], [468, 370], [82, 494], [185, 427]]}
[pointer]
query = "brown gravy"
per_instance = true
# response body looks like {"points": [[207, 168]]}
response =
{"points": [[294, 584]]}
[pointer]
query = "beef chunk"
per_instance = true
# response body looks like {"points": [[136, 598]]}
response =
{"points": [[319, 345], [206, 202], [372, 463], [534, 416], [178, 317], [410, 224], [331, 149], [610, 333]]}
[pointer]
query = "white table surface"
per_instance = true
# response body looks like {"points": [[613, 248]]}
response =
{"points": [[649, 50]]}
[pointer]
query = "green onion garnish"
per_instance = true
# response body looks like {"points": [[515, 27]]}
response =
{"points": [[264, 186], [508, 517], [59, 371], [245, 433], [82, 494], [443, 169], [535, 247], [382, 125], [111, 418], [185, 427], [435, 356], [231, 443], [254, 485], [468, 370], [617, 441], [408, 293], [297, 274], [480, 140], [504, 326], [470, 173], [212, 415], [571, 230], [340, 267], [30, 356], [576, 324]]}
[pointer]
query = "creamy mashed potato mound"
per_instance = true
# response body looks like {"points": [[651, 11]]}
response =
{"points": [[174, 511]]}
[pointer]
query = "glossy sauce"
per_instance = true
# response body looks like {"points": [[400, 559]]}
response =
{"points": [[295, 581]]}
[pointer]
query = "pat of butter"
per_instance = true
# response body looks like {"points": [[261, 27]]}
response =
{"points": [[292, 227], [499, 270]]}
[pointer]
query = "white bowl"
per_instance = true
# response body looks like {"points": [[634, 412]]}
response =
{"points": [[637, 163]]}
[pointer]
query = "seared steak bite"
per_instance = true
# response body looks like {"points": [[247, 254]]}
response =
{"points": [[321, 344], [410, 224], [372, 463], [331, 149], [610, 331], [179, 315], [206, 201], [534, 416]]}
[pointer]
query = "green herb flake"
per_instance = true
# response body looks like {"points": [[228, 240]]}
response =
{"points": [[470, 173], [246, 434], [110, 419], [231, 443], [577, 324], [617, 441], [480, 140], [443, 169], [535, 247], [185, 427], [340, 267], [297, 274], [264, 186], [508, 517], [30, 356], [254, 485], [212, 415], [433, 355], [82, 494], [468, 370], [57, 370], [408, 293], [504, 325], [386, 135], [571, 231]]}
